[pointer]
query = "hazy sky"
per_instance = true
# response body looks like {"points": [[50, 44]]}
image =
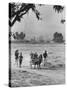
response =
{"points": [[49, 24]]}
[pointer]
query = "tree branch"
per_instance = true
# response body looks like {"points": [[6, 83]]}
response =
{"points": [[12, 23]]}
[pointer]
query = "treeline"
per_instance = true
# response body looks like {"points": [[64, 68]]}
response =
{"points": [[18, 35], [58, 37]]}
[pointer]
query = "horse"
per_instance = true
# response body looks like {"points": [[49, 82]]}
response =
{"points": [[45, 56], [35, 60], [20, 59], [16, 56]]}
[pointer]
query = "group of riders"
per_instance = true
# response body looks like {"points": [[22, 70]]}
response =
{"points": [[35, 58]]}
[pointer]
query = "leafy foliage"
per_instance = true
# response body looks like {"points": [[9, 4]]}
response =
{"points": [[62, 21], [17, 11], [58, 37], [58, 8], [18, 36]]}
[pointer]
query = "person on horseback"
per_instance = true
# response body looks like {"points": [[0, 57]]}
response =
{"points": [[45, 56], [34, 59], [20, 59], [35, 55], [16, 56], [32, 55]]}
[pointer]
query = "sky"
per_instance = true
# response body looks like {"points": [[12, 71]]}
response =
{"points": [[45, 28]]}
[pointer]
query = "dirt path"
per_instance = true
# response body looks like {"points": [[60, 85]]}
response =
{"points": [[56, 75]]}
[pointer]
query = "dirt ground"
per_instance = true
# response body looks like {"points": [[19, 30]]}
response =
{"points": [[33, 77]]}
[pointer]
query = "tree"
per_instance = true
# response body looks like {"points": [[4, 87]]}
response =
{"points": [[62, 21], [59, 9], [17, 11], [18, 36], [58, 37]]}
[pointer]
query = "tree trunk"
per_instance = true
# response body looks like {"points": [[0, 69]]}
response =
{"points": [[9, 57]]}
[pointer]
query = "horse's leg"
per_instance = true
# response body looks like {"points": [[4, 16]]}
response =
{"points": [[34, 66], [20, 65], [44, 61], [17, 62], [39, 66]]}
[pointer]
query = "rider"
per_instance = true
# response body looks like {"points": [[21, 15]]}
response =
{"points": [[16, 56], [35, 55], [20, 59], [45, 56]]}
